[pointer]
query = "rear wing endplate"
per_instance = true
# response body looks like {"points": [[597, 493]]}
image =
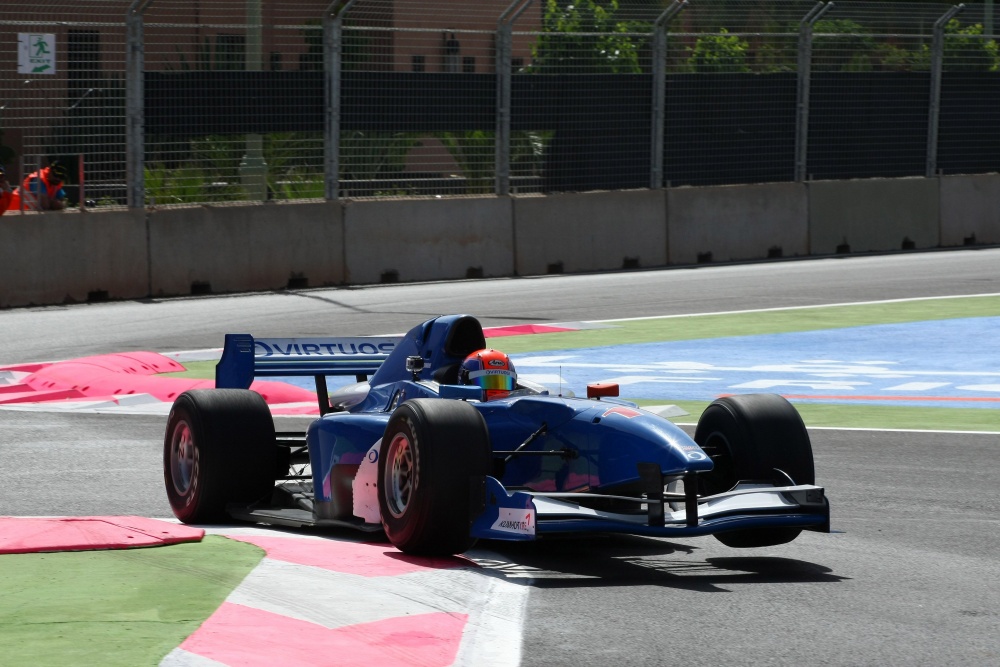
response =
{"points": [[245, 358]]}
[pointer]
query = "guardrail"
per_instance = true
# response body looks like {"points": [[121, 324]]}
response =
{"points": [[67, 257]]}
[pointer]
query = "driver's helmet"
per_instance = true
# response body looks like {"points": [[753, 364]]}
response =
{"points": [[491, 370]]}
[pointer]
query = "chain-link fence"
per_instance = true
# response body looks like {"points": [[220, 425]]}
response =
{"points": [[163, 102], [62, 92]]}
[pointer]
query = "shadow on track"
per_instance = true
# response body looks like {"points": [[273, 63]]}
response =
{"points": [[630, 561]]}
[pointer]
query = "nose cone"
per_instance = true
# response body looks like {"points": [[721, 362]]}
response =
{"points": [[627, 436]]}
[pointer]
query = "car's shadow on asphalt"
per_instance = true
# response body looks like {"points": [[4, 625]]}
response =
{"points": [[603, 560], [633, 561]]}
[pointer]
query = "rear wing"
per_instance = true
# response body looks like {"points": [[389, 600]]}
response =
{"points": [[245, 358]]}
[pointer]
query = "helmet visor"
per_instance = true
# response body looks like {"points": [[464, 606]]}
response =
{"points": [[493, 379]]}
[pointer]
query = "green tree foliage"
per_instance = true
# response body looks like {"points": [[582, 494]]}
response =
{"points": [[965, 50], [166, 186], [842, 45], [208, 174], [585, 36], [718, 53], [294, 165], [367, 156], [474, 152]]}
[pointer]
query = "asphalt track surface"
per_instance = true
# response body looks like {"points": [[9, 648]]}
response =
{"points": [[911, 575]]}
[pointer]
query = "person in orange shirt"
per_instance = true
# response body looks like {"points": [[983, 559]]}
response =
{"points": [[6, 193], [51, 197]]}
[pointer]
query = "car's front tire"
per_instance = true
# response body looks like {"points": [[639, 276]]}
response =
{"points": [[219, 448], [434, 454], [751, 437]]}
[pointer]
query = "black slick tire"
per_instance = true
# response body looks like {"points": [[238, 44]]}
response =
{"points": [[219, 448], [750, 437], [435, 453]]}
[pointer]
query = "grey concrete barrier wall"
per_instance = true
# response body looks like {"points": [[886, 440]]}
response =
{"points": [[594, 231], [245, 248], [970, 210], [70, 257], [427, 239], [737, 222], [873, 215]]}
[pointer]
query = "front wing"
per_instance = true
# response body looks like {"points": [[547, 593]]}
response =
{"points": [[524, 515]]}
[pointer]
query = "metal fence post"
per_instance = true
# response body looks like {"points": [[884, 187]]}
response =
{"points": [[659, 111], [135, 106], [804, 68], [333, 39], [253, 167], [80, 177], [504, 48], [934, 108], [504, 37]]}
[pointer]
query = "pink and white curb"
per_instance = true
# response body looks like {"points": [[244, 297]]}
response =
{"points": [[317, 601]]}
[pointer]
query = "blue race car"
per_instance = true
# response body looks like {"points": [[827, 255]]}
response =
{"points": [[411, 450]]}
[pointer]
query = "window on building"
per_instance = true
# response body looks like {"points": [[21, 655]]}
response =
{"points": [[516, 64], [275, 61], [468, 64], [230, 52], [84, 58], [419, 63]]}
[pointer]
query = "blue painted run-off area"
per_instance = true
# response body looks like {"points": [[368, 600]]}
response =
{"points": [[947, 363]]}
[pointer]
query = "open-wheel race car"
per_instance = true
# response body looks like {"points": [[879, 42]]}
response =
{"points": [[414, 448]]}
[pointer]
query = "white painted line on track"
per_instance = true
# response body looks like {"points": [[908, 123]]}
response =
{"points": [[879, 430], [900, 430], [787, 308]]}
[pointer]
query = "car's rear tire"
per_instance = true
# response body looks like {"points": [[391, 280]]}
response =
{"points": [[751, 437], [433, 455], [219, 448]]}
